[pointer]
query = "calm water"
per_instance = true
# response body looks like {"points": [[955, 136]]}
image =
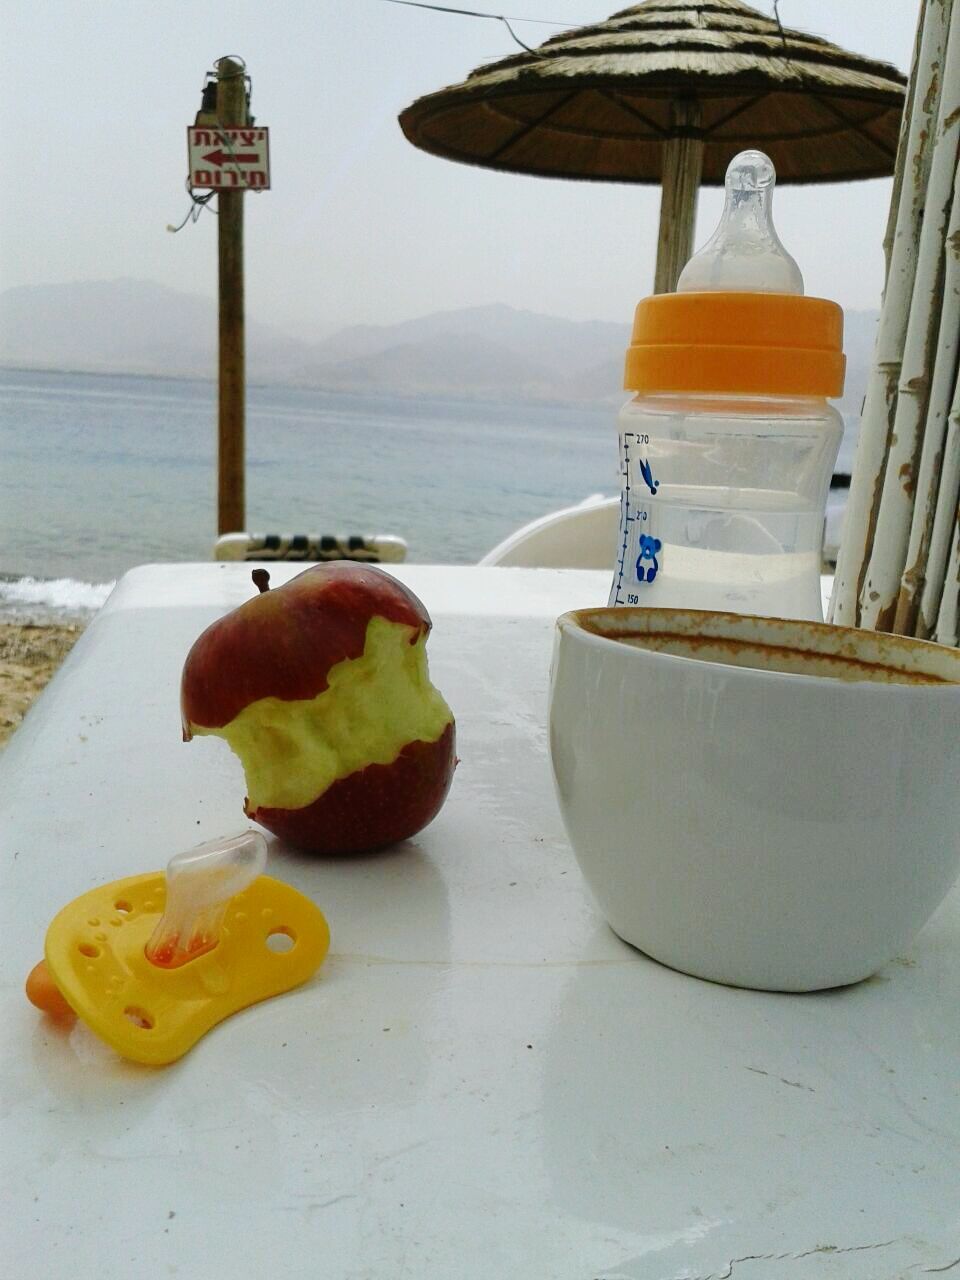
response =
{"points": [[99, 473]]}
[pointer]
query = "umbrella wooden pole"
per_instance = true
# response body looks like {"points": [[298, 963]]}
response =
{"points": [[231, 498], [682, 169]]}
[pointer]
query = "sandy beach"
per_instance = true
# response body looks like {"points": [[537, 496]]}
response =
{"points": [[29, 655]]}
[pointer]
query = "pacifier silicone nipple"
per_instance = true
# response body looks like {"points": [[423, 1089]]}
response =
{"points": [[744, 254], [200, 884]]}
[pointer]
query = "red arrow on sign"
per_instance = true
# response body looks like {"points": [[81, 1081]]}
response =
{"points": [[241, 157]]}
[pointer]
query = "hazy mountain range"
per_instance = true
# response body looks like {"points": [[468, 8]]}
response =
{"points": [[491, 352]]}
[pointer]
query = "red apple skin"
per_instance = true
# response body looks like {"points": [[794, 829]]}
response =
{"points": [[282, 643], [373, 807]]}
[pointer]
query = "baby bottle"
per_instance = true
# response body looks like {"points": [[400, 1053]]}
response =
{"points": [[729, 444]]}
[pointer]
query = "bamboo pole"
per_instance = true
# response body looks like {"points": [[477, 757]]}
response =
{"points": [[937, 584], [682, 170], [878, 597], [902, 143], [913, 161], [947, 621], [933, 474], [231, 498]]}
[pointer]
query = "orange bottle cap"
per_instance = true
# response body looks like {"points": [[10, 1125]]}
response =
{"points": [[737, 343]]}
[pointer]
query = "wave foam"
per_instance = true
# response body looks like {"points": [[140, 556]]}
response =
{"points": [[65, 595]]}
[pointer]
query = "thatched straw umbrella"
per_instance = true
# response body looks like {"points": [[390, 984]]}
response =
{"points": [[668, 92]]}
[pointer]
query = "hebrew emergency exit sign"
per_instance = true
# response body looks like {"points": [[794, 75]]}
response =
{"points": [[229, 158]]}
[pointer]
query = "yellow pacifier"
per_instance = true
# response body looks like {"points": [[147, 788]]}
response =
{"points": [[152, 962]]}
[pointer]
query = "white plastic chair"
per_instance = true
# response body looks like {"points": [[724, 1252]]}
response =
{"points": [[580, 537]]}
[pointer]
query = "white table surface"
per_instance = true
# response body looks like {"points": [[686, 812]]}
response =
{"points": [[482, 1080]]}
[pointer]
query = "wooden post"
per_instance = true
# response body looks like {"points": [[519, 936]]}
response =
{"points": [[682, 170], [231, 518]]}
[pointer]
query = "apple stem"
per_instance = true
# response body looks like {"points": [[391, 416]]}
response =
{"points": [[261, 579]]}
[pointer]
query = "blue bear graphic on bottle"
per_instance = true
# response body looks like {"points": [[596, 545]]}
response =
{"points": [[649, 546]]}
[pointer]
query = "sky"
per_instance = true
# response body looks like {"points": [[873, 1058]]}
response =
{"points": [[360, 227]]}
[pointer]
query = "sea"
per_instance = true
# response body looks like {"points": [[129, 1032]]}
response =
{"points": [[102, 472]]}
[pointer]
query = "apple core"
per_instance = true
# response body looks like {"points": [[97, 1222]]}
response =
{"points": [[372, 708]]}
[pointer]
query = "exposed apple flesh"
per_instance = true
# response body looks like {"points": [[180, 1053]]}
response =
{"points": [[322, 690], [373, 807]]}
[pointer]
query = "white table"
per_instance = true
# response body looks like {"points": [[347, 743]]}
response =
{"points": [[482, 1081]]}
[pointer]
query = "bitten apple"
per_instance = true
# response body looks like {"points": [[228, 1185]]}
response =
{"points": [[321, 688]]}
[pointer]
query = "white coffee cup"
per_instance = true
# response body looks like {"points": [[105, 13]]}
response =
{"points": [[760, 802]]}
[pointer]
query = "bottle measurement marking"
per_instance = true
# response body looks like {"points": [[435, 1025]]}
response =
{"points": [[625, 512], [631, 515]]}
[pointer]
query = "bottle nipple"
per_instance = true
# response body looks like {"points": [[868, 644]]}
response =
{"points": [[744, 254]]}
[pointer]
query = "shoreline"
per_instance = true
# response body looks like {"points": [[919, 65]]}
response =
{"points": [[442, 396], [30, 653]]}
